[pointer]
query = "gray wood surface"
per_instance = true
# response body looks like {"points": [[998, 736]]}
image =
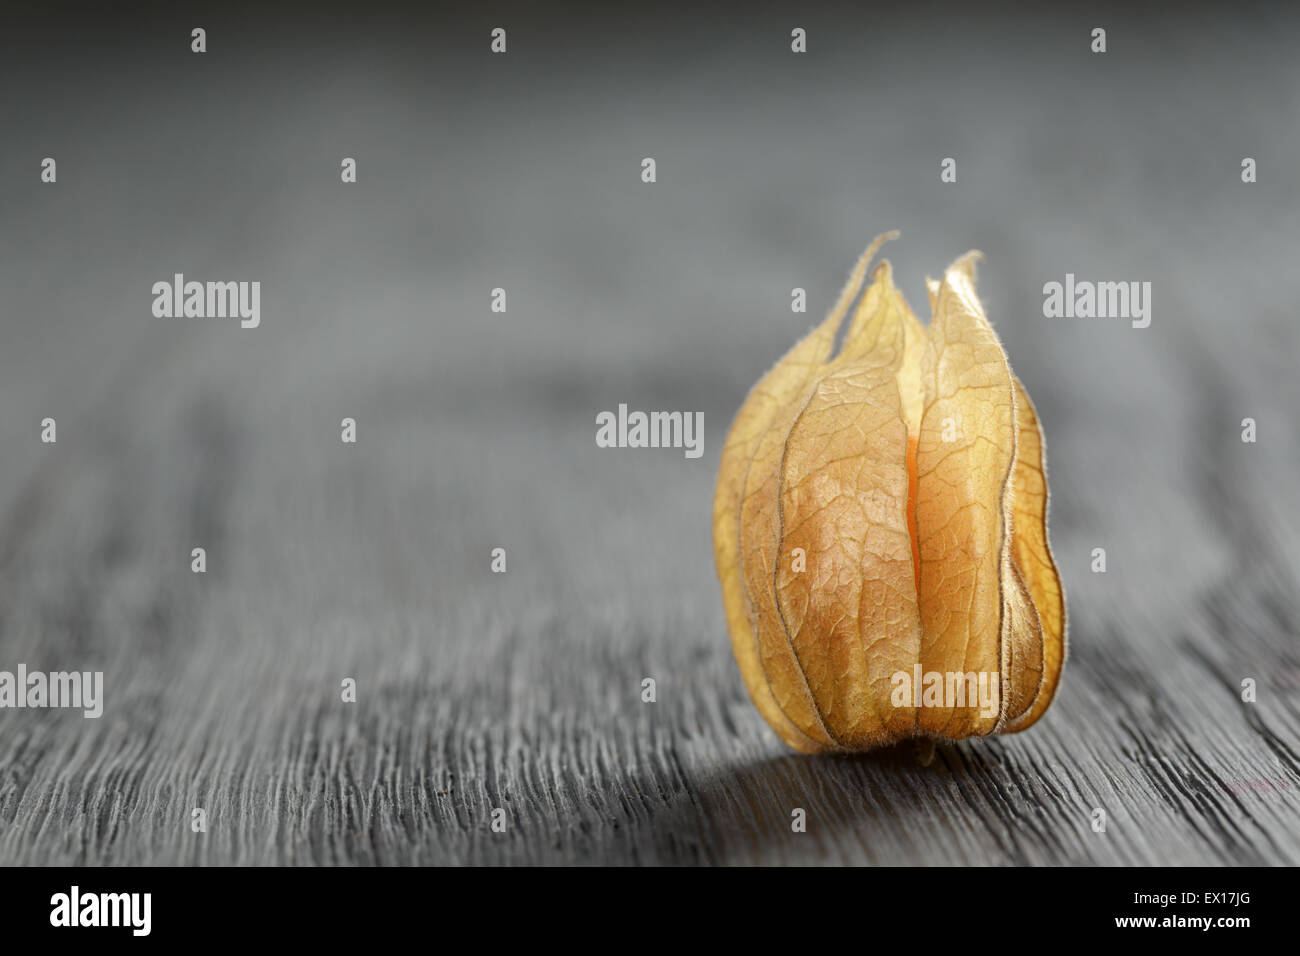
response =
{"points": [[476, 430]]}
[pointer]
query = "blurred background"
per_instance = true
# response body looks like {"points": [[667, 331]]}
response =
{"points": [[476, 429]]}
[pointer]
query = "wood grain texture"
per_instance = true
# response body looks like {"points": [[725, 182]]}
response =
{"points": [[522, 690]]}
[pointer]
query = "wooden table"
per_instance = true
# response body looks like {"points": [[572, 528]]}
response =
{"points": [[522, 691]]}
